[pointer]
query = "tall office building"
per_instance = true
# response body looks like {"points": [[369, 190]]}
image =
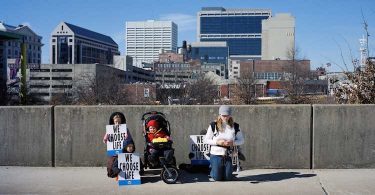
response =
{"points": [[278, 37], [72, 44], [145, 40], [240, 28]]}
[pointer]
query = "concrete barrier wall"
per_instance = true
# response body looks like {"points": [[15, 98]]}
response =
{"points": [[276, 136], [81, 129], [26, 136], [344, 136]]}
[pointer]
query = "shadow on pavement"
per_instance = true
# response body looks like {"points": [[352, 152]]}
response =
{"points": [[151, 176], [274, 177], [186, 177]]}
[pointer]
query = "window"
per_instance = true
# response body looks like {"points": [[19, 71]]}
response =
{"points": [[39, 70], [39, 78], [61, 86], [61, 78], [146, 92], [61, 70], [40, 94], [39, 86]]}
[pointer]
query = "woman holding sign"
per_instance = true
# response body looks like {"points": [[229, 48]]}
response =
{"points": [[222, 134]]}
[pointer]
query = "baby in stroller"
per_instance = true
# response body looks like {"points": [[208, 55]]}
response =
{"points": [[158, 152], [159, 143]]}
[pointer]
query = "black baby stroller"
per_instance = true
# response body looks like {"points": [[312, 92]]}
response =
{"points": [[162, 155]]}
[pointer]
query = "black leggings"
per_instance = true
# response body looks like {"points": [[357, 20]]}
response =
{"points": [[155, 154]]}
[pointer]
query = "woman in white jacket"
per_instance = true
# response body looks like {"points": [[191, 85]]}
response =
{"points": [[221, 139]]}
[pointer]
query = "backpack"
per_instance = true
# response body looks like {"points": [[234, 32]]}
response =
{"points": [[112, 169], [235, 125]]}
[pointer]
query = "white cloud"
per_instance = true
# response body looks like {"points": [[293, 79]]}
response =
{"points": [[185, 22]]}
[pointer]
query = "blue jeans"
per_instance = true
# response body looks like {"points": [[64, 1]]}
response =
{"points": [[221, 167]]}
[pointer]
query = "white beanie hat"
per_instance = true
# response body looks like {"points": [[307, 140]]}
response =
{"points": [[225, 110]]}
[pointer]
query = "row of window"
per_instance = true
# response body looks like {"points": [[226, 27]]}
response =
{"points": [[53, 94], [228, 25], [49, 70], [176, 76], [33, 39], [16, 52], [173, 65], [236, 14], [53, 78], [251, 46], [80, 40], [231, 35], [53, 86], [268, 75]]}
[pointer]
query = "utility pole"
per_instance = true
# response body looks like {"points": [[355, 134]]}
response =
{"points": [[23, 87]]}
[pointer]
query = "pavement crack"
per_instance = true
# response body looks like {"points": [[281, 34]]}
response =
{"points": [[321, 185]]}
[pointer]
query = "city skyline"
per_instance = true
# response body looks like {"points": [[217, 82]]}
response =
{"points": [[322, 27]]}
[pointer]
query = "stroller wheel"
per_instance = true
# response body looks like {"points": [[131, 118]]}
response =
{"points": [[169, 175]]}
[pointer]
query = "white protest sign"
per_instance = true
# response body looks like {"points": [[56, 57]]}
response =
{"points": [[117, 134], [200, 150], [129, 164]]}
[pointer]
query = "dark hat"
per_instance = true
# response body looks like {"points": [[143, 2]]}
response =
{"points": [[127, 142], [122, 116]]}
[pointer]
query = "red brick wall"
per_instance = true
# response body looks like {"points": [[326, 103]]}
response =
{"points": [[135, 93], [166, 57], [303, 66]]}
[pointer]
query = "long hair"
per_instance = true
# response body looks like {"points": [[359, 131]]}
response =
{"points": [[219, 123]]}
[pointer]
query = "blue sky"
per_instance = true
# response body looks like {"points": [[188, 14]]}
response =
{"points": [[322, 26]]}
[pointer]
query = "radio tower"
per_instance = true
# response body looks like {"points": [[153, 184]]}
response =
{"points": [[363, 50]]}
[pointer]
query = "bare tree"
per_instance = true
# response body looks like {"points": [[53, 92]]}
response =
{"points": [[360, 88], [163, 94], [202, 91], [244, 90], [295, 78], [64, 98], [103, 89]]}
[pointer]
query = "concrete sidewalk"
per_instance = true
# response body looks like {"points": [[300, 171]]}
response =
{"points": [[84, 180]]}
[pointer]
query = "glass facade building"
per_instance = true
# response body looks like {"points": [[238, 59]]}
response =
{"points": [[211, 53], [72, 44], [240, 28]]}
